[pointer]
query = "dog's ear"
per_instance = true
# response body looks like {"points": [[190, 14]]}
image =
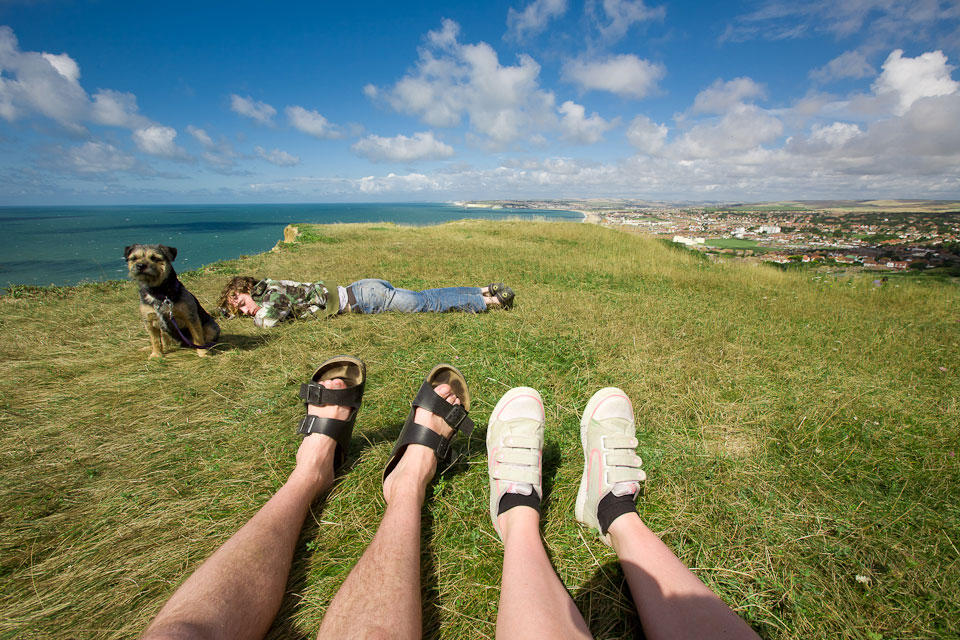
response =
{"points": [[170, 252], [128, 250]]}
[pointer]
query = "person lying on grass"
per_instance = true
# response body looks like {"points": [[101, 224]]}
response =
{"points": [[273, 301], [237, 592]]}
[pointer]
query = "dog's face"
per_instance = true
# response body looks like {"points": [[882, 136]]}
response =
{"points": [[149, 264]]}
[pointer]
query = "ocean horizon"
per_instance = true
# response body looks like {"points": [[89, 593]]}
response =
{"points": [[68, 245]]}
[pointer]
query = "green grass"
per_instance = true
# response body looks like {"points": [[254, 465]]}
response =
{"points": [[797, 433]]}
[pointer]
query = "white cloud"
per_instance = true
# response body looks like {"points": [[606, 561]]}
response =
{"points": [[420, 146], [578, 128], [909, 79], [48, 85], [742, 128], [277, 157], [621, 15], [65, 66], [850, 64], [721, 96], [647, 136], [41, 84], [534, 18], [504, 104], [117, 109], [219, 154], [200, 135], [624, 75], [312, 123], [157, 140], [259, 111], [835, 135], [98, 157]]}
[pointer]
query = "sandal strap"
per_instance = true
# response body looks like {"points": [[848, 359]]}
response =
{"points": [[332, 427], [317, 394], [453, 414]]}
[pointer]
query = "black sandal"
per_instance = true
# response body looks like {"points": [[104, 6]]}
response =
{"points": [[454, 415], [354, 373], [503, 293]]}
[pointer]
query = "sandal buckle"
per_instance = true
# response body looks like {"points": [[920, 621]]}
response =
{"points": [[457, 419]]}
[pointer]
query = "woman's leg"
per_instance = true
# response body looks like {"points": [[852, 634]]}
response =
{"points": [[237, 591], [379, 296], [671, 600], [533, 601]]}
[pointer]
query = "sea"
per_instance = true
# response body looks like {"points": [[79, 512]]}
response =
{"points": [[71, 245]]}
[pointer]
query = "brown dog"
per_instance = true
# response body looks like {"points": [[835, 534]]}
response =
{"points": [[169, 311]]}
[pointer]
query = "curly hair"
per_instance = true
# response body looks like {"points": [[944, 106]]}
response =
{"points": [[237, 285]]}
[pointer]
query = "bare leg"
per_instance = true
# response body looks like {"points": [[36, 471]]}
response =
{"points": [[671, 600], [533, 601], [381, 596], [237, 591]]}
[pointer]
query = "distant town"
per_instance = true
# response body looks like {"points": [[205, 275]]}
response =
{"points": [[877, 235]]}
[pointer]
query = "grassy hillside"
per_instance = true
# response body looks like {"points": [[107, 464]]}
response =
{"points": [[800, 436]]}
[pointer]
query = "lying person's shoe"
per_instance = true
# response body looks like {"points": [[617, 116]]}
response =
{"points": [[455, 415], [515, 452], [611, 467], [353, 372], [502, 293]]}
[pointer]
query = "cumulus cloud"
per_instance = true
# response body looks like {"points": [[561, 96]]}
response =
{"points": [[621, 15], [850, 64], [312, 123], [157, 140], [117, 109], [41, 84], [504, 104], [721, 96], [909, 79], [743, 127], [259, 111], [647, 136], [534, 18], [98, 158], [625, 75], [419, 146], [578, 128], [277, 157]]}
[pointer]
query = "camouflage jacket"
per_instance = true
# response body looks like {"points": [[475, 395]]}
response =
{"points": [[283, 299]]}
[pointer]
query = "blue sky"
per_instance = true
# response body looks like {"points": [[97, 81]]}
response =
{"points": [[127, 102]]}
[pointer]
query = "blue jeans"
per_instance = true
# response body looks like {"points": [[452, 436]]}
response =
{"points": [[378, 296]]}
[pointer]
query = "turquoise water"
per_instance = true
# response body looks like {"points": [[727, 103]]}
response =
{"points": [[68, 245]]}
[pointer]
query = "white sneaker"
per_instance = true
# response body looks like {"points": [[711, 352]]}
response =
{"points": [[610, 460], [515, 447]]}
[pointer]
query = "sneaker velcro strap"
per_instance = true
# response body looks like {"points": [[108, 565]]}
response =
{"points": [[453, 414], [515, 474], [526, 457], [327, 426], [523, 442], [619, 442], [317, 394], [617, 459], [623, 474]]}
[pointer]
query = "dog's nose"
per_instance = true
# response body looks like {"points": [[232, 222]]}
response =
{"points": [[141, 266]]}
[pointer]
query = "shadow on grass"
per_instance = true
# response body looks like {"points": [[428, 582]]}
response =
{"points": [[230, 342], [606, 604]]}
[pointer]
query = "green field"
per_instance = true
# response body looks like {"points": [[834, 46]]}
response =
{"points": [[799, 434], [737, 243]]}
